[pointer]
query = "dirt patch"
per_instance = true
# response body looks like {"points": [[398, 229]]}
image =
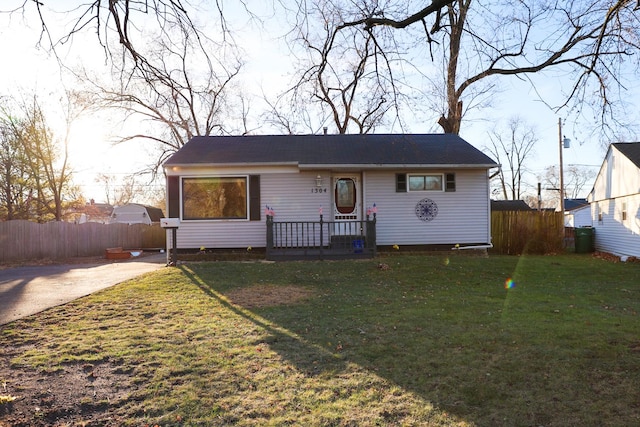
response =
{"points": [[77, 395], [269, 295]]}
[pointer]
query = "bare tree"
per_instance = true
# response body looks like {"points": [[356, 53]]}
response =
{"points": [[188, 91], [38, 176], [16, 187], [589, 39], [343, 80], [577, 180], [118, 192], [48, 160], [117, 25], [166, 69], [512, 147]]}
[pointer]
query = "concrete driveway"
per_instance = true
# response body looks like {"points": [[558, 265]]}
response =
{"points": [[28, 290]]}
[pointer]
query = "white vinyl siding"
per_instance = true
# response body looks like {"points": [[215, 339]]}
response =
{"points": [[580, 217], [617, 190], [463, 215], [296, 197], [613, 235], [617, 177], [293, 197]]}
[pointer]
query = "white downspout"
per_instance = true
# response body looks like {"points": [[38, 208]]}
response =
{"points": [[459, 248]]}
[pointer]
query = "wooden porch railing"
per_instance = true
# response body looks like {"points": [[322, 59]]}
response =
{"points": [[296, 240]]}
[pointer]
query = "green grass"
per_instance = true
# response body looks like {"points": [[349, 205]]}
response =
{"points": [[434, 340]]}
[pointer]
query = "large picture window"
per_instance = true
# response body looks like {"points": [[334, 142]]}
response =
{"points": [[214, 198]]}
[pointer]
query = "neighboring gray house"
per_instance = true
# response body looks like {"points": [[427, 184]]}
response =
{"points": [[427, 189], [134, 213], [615, 201]]}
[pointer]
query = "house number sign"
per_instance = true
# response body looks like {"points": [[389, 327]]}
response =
{"points": [[318, 190], [426, 209]]}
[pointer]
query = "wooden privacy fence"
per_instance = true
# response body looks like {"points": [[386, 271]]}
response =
{"points": [[23, 240], [534, 232]]}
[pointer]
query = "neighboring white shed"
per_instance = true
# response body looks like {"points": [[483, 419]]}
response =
{"points": [[134, 213], [615, 201], [577, 213]]}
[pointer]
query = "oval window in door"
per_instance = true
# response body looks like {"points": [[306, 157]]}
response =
{"points": [[345, 195]]}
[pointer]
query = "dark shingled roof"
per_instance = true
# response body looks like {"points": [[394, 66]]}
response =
{"points": [[509, 205], [631, 150], [155, 214], [375, 150], [571, 204]]}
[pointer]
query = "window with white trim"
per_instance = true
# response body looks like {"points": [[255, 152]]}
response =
{"points": [[425, 182], [432, 182]]}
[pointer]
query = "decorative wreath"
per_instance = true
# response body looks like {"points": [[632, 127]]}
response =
{"points": [[426, 209]]}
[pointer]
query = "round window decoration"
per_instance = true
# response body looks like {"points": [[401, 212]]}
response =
{"points": [[426, 209]]}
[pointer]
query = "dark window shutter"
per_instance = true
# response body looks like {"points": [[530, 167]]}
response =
{"points": [[450, 182], [254, 197], [173, 196], [401, 183]]}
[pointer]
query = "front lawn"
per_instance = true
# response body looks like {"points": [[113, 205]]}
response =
{"points": [[432, 340]]}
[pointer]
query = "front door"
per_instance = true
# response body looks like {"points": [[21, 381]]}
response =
{"points": [[347, 198]]}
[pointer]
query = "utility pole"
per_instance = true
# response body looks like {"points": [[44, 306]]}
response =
{"points": [[539, 196], [560, 144]]}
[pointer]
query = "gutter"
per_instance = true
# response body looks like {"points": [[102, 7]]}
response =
{"points": [[330, 166], [226, 165]]}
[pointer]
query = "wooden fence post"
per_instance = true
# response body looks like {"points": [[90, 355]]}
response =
{"points": [[269, 235]]}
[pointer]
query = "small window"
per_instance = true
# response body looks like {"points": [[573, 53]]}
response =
{"points": [[599, 212], [450, 182], [401, 183], [624, 211], [425, 182]]}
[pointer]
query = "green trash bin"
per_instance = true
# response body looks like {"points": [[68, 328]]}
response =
{"points": [[584, 240]]}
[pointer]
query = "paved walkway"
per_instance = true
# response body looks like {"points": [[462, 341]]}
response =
{"points": [[29, 290]]}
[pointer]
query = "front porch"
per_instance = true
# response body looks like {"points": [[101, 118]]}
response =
{"points": [[321, 240]]}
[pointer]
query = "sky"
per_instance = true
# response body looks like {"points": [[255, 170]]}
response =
{"points": [[32, 68]]}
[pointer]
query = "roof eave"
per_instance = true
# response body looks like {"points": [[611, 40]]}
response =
{"points": [[309, 166], [226, 165], [395, 166]]}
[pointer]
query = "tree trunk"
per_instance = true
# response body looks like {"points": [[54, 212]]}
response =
{"points": [[451, 123]]}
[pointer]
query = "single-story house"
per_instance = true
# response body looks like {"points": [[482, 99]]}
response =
{"points": [[134, 213], [428, 189], [577, 213], [615, 201]]}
